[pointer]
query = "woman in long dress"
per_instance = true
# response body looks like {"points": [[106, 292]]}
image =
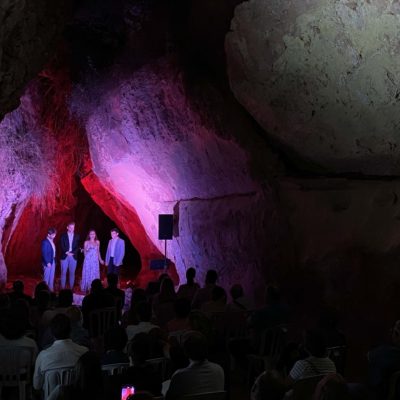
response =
{"points": [[91, 264]]}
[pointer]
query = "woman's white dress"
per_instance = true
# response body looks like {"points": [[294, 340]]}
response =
{"points": [[91, 267]]}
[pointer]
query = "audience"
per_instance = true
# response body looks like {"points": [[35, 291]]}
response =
{"points": [[217, 304], [201, 375], [204, 294], [269, 385], [79, 334], [117, 294], [189, 289], [18, 293], [115, 340], [332, 387], [163, 302], [144, 317], [181, 321], [64, 300], [239, 301], [61, 354]]}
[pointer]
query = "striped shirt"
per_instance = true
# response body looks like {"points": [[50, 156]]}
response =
{"points": [[312, 366]]}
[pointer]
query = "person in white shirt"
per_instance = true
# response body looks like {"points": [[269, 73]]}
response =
{"points": [[201, 376], [144, 315], [62, 353], [115, 253]]}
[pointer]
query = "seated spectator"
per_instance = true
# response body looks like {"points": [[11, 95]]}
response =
{"points": [[181, 321], [383, 361], [239, 301], [38, 288], [96, 299], [79, 334], [204, 294], [153, 287], [201, 375], [64, 300], [217, 304], [332, 387], [317, 363], [163, 302], [327, 325], [115, 340], [117, 294], [144, 325], [61, 354], [18, 293], [13, 331], [88, 382], [269, 385], [130, 317], [41, 304], [189, 289]]}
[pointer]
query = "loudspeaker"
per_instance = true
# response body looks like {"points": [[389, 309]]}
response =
{"points": [[158, 264], [165, 226]]}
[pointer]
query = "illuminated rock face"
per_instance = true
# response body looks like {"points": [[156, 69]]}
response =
{"points": [[321, 77]]}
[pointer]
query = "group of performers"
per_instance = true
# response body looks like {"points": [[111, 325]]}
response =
{"points": [[70, 246]]}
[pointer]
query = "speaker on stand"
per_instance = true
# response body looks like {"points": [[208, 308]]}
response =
{"points": [[165, 231]]}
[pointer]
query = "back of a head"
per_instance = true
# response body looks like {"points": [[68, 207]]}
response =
{"points": [[332, 387], [190, 274], [195, 346], [182, 307], [140, 347], [43, 299], [268, 385], [60, 327], [167, 287], [96, 286], [273, 295], [315, 343], [74, 314], [236, 291], [18, 287], [115, 339], [218, 294], [65, 298], [211, 276], [41, 286], [112, 280], [143, 311], [162, 277], [88, 374]]}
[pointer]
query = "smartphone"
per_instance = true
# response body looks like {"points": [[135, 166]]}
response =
{"points": [[126, 391]]}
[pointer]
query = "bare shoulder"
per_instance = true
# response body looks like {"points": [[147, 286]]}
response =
{"points": [[98, 242]]}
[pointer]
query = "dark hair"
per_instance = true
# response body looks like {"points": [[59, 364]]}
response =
{"points": [[65, 298], [18, 286], [116, 230], [140, 348], [314, 343], [167, 291], [71, 223], [272, 295], [211, 276], [182, 307], [218, 293], [143, 311], [332, 387], [51, 231], [115, 339], [88, 375], [236, 291], [43, 299], [96, 285], [195, 346], [268, 385], [41, 286], [95, 235], [190, 274], [112, 279], [60, 327]]}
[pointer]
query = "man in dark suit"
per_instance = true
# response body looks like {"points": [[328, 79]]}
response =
{"points": [[69, 253], [48, 258]]}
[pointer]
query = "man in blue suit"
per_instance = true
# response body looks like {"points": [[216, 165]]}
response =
{"points": [[115, 252], [48, 258]]}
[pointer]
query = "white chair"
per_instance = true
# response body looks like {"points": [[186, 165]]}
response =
{"points": [[55, 377], [205, 396], [114, 369], [15, 368]]}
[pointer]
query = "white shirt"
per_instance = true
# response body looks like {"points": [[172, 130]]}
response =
{"points": [[133, 330], [53, 246], [61, 354], [113, 243], [70, 240], [23, 341], [312, 366], [198, 377]]}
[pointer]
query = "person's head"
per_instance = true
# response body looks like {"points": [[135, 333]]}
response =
{"points": [[115, 339], [65, 298], [18, 287], [314, 342], [15, 324], [96, 286], [60, 327], [332, 387], [140, 348], [272, 295], [51, 233], [218, 294], [190, 275], [41, 286], [211, 277], [167, 290], [236, 291], [112, 280], [163, 276], [182, 308], [43, 299], [71, 227], [92, 236], [396, 333], [195, 346], [74, 314], [143, 311], [88, 374], [138, 296], [114, 233], [269, 385]]}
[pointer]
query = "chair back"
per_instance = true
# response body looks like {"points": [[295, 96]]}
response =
{"points": [[15, 365], [303, 389], [114, 369], [101, 320], [272, 342], [338, 356], [55, 377], [160, 366], [205, 396]]}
